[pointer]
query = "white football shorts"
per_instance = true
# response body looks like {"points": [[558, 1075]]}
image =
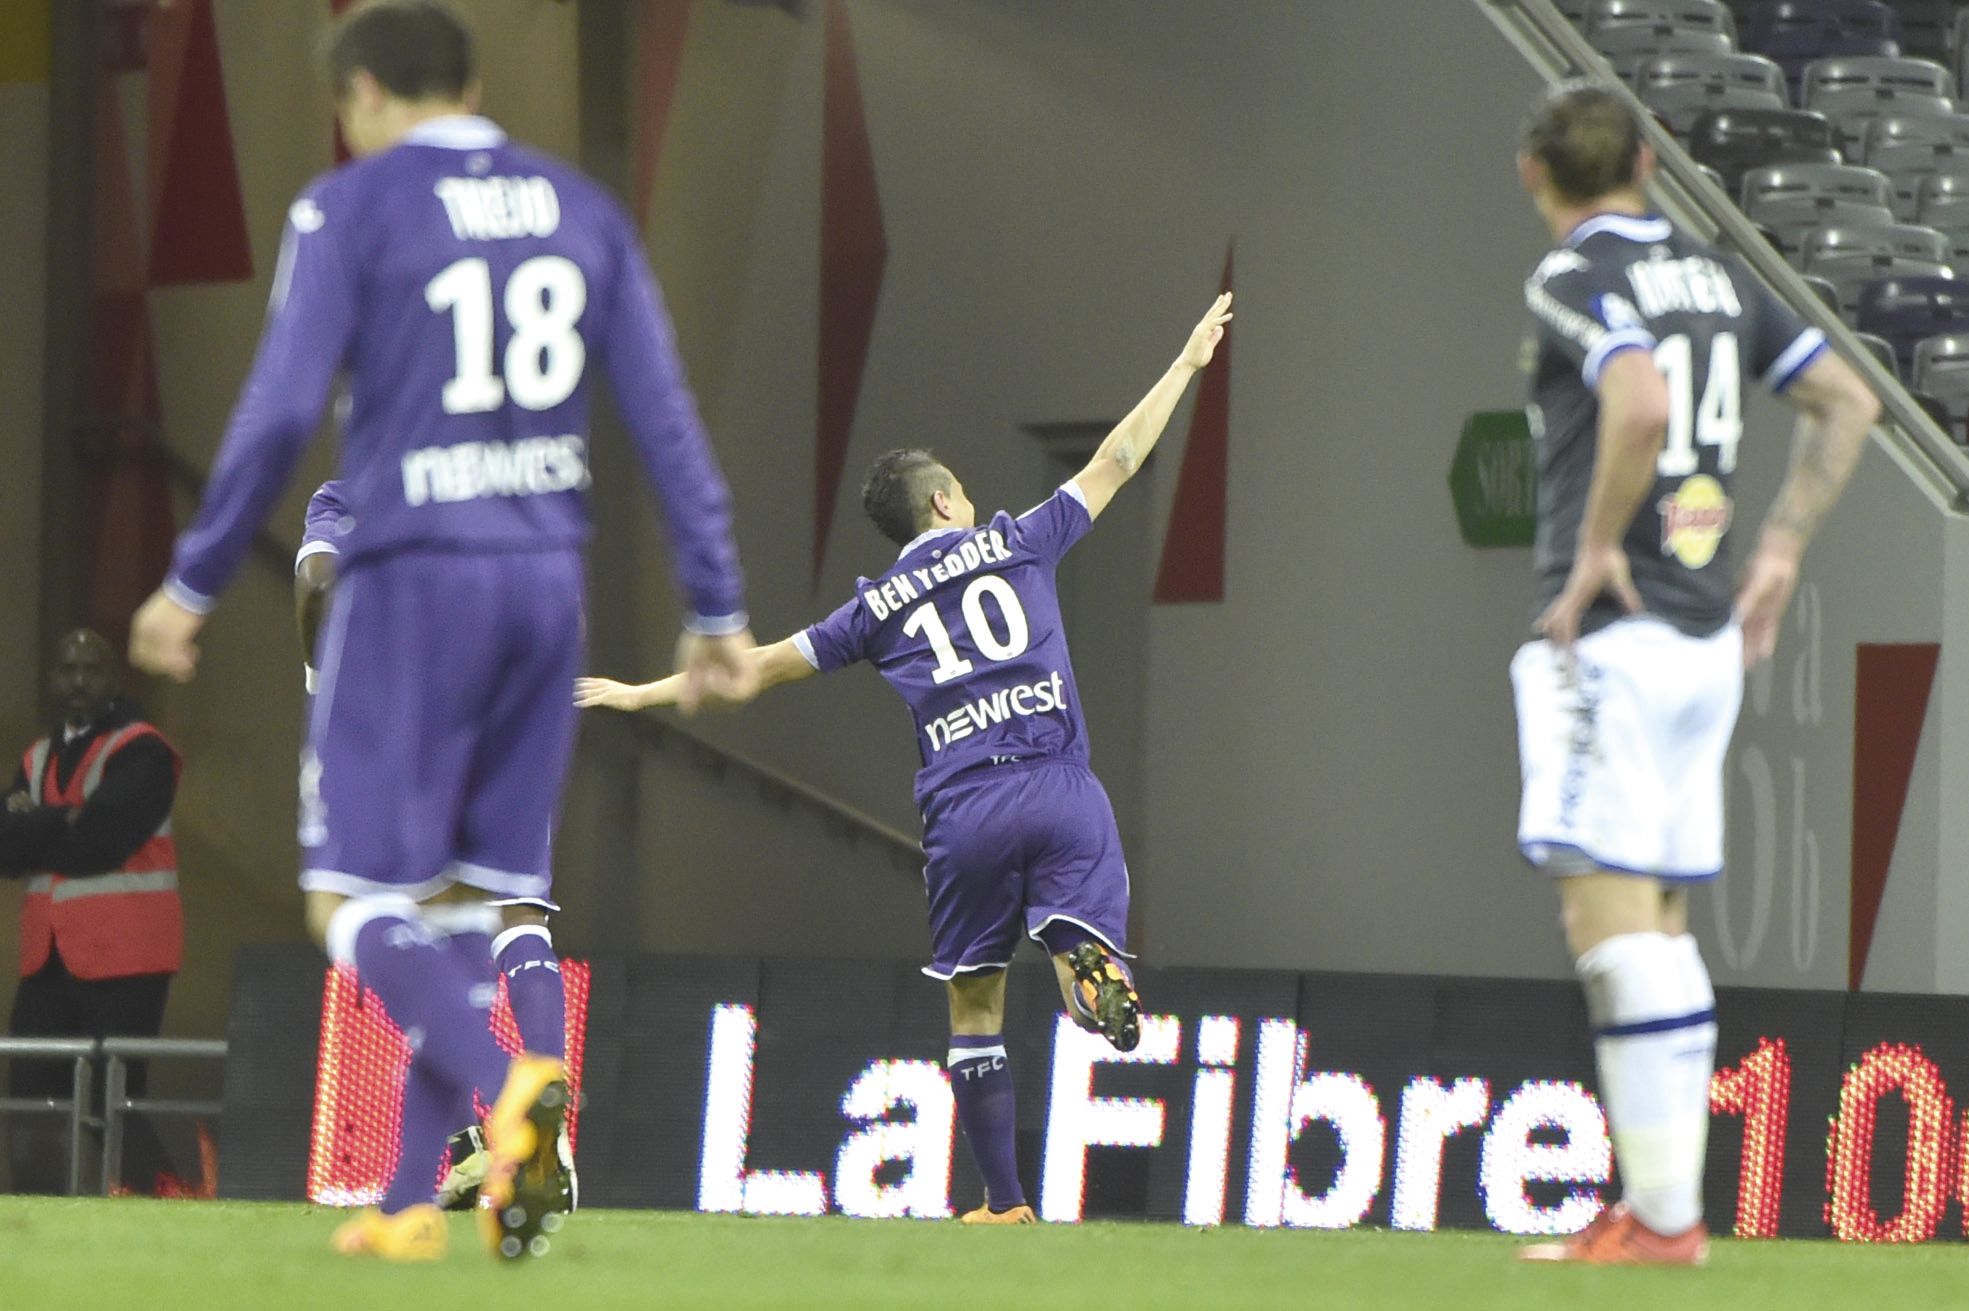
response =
{"points": [[1621, 749]]}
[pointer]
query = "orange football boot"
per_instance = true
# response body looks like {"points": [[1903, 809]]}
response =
{"points": [[523, 1196], [417, 1233], [1616, 1238], [984, 1215]]}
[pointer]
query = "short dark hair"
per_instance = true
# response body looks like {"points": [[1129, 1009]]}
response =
{"points": [[1587, 138], [417, 49], [896, 493]]}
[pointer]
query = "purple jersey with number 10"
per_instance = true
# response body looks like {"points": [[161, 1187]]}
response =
{"points": [[966, 627]]}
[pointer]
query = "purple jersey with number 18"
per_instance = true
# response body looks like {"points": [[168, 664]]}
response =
{"points": [[966, 627], [471, 290]]}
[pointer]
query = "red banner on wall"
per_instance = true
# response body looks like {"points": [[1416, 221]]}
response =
{"points": [[358, 1112]]}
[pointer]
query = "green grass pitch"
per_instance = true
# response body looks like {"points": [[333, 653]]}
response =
{"points": [[60, 1253]]}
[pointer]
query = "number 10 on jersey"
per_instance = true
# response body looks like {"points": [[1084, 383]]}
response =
{"points": [[925, 620]]}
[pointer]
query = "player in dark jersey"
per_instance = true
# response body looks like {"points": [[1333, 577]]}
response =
{"points": [[465, 284], [1019, 833], [1644, 339]]}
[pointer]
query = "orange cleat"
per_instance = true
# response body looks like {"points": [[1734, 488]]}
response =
{"points": [[1616, 1238], [523, 1195], [1107, 995], [418, 1233], [984, 1215]]}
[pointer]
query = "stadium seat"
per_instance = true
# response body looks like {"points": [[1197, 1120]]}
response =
{"points": [[1927, 27], [1793, 199], [1850, 258], [1939, 412], [1913, 147], [1627, 48], [1824, 290], [1679, 88], [1906, 309], [1946, 206], [1941, 370], [1880, 348], [1794, 33], [1852, 92], [1828, 19], [1944, 201], [1880, 241], [1713, 176], [1734, 141], [1675, 15]]}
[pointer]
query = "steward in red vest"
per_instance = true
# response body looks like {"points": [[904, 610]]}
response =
{"points": [[88, 822]]}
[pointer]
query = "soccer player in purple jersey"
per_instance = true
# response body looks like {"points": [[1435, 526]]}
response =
{"points": [[465, 284], [1019, 833], [524, 950]]}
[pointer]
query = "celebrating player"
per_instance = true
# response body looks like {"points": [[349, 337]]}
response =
{"points": [[465, 283], [1627, 701], [1020, 835], [524, 950]]}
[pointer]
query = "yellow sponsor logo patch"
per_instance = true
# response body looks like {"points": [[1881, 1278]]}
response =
{"points": [[1694, 518]]}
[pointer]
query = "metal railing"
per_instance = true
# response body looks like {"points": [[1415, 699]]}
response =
{"points": [[116, 1055], [905, 851], [1559, 51]]}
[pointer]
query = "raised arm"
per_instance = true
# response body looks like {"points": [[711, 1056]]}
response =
{"points": [[1836, 410], [1125, 448], [772, 665]]}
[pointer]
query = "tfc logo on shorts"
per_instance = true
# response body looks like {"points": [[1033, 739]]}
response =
{"points": [[1621, 746]]}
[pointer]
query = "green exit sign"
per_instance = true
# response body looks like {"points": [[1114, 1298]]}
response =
{"points": [[1493, 481]]}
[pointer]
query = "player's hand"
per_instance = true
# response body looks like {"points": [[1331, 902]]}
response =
{"points": [[1594, 571], [161, 638], [1202, 344], [1768, 582], [19, 803], [606, 694], [717, 671]]}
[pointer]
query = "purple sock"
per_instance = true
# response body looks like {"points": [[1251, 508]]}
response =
{"points": [[525, 955], [433, 1109], [981, 1081], [431, 987]]}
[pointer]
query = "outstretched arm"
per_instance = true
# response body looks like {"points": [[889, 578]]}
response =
{"points": [[779, 663], [1836, 411], [1124, 449]]}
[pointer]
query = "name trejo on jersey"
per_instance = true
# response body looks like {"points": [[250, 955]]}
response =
{"points": [[1695, 285], [472, 471], [1040, 698], [974, 553], [492, 209]]}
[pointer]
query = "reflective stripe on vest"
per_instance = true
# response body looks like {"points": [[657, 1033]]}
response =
{"points": [[93, 779], [123, 922], [37, 765], [104, 885]]}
